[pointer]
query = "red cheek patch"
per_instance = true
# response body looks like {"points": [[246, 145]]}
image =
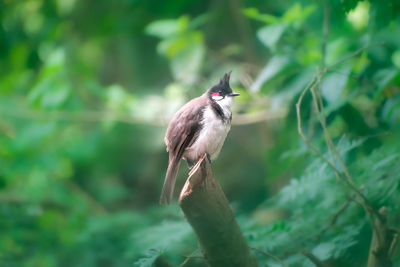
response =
{"points": [[215, 94]]}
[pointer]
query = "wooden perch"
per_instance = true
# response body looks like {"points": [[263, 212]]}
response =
{"points": [[206, 208]]}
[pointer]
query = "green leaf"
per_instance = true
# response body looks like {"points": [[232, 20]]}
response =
{"points": [[383, 77], [56, 96], [53, 86], [270, 35], [187, 63], [292, 88], [149, 259], [117, 98], [334, 83], [253, 13], [297, 14], [324, 251], [391, 109], [160, 236], [274, 66], [167, 28]]}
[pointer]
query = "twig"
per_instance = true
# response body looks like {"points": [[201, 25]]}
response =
{"points": [[325, 32], [317, 99], [365, 204], [336, 215], [340, 211], [191, 256], [316, 83], [351, 55], [393, 245], [270, 255], [311, 124], [78, 190], [323, 124], [300, 130]]}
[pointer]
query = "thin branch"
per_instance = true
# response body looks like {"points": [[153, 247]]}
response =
{"points": [[352, 55], [316, 90], [300, 128], [340, 211], [188, 258], [325, 32], [393, 244], [79, 191], [270, 255], [365, 204], [317, 99], [322, 120]]}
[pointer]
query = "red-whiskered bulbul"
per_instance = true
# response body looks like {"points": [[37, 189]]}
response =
{"points": [[199, 127]]}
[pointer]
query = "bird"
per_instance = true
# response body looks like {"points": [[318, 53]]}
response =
{"points": [[198, 128]]}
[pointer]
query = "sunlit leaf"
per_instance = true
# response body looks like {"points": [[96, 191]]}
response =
{"points": [[334, 83], [253, 13], [168, 28], [297, 14], [269, 35], [274, 66]]}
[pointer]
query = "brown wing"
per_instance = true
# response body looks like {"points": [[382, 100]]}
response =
{"points": [[184, 127]]}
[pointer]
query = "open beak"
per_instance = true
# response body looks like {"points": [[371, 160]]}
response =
{"points": [[234, 94]]}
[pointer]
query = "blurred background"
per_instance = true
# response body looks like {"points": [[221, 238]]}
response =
{"points": [[87, 89]]}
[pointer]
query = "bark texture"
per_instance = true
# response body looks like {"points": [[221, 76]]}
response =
{"points": [[211, 217]]}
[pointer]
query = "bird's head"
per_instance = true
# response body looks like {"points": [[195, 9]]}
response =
{"points": [[222, 90]]}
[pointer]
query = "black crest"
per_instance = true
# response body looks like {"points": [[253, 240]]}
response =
{"points": [[225, 79], [223, 87]]}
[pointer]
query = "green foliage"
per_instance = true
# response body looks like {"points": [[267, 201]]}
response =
{"points": [[312, 210], [181, 44], [86, 90]]}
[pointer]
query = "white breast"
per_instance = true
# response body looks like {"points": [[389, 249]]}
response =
{"points": [[213, 132]]}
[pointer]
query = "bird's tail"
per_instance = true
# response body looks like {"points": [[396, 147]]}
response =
{"points": [[169, 182]]}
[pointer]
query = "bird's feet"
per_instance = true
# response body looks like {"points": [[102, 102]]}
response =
{"points": [[199, 163]]}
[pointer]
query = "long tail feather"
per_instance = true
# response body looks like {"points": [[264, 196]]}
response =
{"points": [[169, 182]]}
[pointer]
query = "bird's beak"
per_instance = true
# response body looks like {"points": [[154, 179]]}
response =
{"points": [[234, 94]]}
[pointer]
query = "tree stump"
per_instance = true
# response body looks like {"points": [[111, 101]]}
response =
{"points": [[208, 211]]}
